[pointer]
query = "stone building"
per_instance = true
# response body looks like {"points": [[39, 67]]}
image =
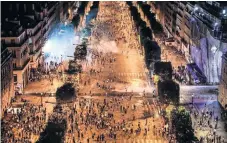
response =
{"points": [[199, 30], [7, 86], [25, 28], [209, 38], [14, 36], [222, 98]]}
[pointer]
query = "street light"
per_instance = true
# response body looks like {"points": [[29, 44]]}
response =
{"points": [[192, 97]]}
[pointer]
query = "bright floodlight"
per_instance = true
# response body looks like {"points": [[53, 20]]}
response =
{"points": [[47, 47], [223, 11], [196, 8], [213, 49]]}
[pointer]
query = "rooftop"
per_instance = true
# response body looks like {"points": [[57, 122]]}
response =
{"points": [[28, 22], [213, 9], [10, 29]]}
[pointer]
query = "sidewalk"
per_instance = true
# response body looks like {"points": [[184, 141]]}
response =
{"points": [[43, 86], [215, 108]]}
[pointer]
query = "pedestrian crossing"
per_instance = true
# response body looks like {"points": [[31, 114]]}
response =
{"points": [[131, 74]]}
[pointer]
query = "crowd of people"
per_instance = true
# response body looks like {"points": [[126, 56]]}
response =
{"points": [[114, 117], [119, 28], [96, 119], [103, 118], [207, 120], [22, 123], [180, 74]]}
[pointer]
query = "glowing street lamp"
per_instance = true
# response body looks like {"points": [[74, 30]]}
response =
{"points": [[213, 49], [196, 8], [192, 98]]}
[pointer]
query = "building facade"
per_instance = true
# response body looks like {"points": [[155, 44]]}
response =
{"points": [[25, 28], [199, 30], [14, 36], [223, 83], [68, 10], [209, 38], [7, 85]]}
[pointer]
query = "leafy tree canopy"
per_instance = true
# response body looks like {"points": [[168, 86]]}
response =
{"points": [[76, 20], [168, 92], [182, 124]]}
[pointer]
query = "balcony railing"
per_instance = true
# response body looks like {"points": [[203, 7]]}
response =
{"points": [[6, 58], [44, 32], [51, 14], [18, 44], [181, 8], [14, 33], [36, 42], [24, 65], [170, 6], [37, 31], [211, 9], [186, 23], [207, 22]]}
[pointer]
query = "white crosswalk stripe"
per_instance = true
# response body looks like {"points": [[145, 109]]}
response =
{"points": [[132, 74]]}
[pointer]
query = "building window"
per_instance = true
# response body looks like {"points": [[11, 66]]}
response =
{"points": [[2, 72], [14, 54], [14, 65], [15, 78], [13, 41], [3, 41]]}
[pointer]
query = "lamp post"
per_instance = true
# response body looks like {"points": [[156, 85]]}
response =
{"points": [[192, 98]]}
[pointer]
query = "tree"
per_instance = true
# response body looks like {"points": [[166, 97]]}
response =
{"points": [[145, 33], [82, 7], [164, 70], [152, 52], [54, 131], [146, 9], [66, 92], [80, 51], [74, 67], [155, 25], [168, 92], [93, 12], [76, 20], [129, 3], [182, 126]]}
